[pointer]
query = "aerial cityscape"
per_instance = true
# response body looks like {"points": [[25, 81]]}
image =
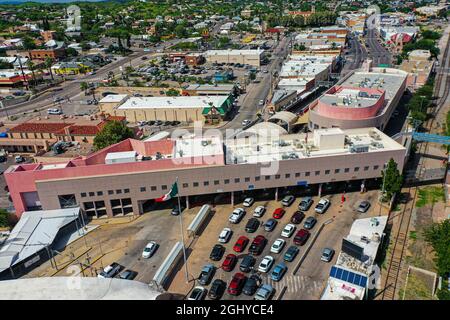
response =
{"points": [[224, 150]]}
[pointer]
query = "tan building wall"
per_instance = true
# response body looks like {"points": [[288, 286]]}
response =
{"points": [[182, 114]]}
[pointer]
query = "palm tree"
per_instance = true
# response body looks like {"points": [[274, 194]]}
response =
{"points": [[84, 86], [31, 66], [48, 64]]}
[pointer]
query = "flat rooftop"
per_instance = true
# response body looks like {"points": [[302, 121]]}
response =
{"points": [[390, 82], [172, 102], [351, 98], [234, 52], [266, 148], [110, 98], [198, 147], [302, 68]]}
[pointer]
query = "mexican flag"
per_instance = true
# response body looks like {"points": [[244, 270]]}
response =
{"points": [[171, 194]]}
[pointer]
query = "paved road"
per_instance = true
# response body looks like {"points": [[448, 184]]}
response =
{"points": [[249, 102], [355, 57], [378, 53]]}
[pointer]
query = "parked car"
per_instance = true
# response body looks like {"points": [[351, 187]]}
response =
{"points": [[246, 122], [279, 213], [229, 263], [225, 235], [252, 225], [270, 225], [305, 203], [287, 200], [291, 253], [142, 123], [251, 285], [288, 230], [247, 263], [310, 222], [128, 275], [198, 293], [236, 284], [110, 271], [240, 244], [217, 289], [277, 246], [266, 264], [217, 252], [237, 215], [363, 206], [327, 254], [248, 202], [322, 205], [278, 272], [176, 210], [257, 245], [54, 111], [206, 274], [19, 159], [149, 250], [259, 211], [265, 292], [297, 217], [301, 237]]}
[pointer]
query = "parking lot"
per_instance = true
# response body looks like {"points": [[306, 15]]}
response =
{"points": [[310, 279]]}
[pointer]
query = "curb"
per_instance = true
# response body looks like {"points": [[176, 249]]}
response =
{"points": [[311, 243]]}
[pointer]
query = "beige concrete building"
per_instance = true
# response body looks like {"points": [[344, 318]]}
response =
{"points": [[184, 109], [250, 57], [203, 166]]}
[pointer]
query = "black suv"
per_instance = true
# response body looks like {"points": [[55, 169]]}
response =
{"points": [[251, 285], [252, 225], [297, 217], [217, 289], [217, 252], [247, 263]]}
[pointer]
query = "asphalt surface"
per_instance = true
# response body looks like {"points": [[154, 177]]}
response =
{"points": [[249, 102], [356, 55], [310, 279], [378, 53]]}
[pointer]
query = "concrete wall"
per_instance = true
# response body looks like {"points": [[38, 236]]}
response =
{"points": [[183, 114], [215, 177]]}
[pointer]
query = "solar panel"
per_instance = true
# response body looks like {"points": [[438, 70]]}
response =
{"points": [[348, 276]]}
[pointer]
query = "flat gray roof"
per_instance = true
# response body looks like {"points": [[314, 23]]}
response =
{"points": [[76, 288]]}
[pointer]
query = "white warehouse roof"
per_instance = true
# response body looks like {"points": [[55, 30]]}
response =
{"points": [[173, 102]]}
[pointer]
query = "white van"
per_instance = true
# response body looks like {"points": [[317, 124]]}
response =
{"points": [[54, 111]]}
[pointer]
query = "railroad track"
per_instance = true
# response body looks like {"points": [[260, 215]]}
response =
{"points": [[400, 237]]}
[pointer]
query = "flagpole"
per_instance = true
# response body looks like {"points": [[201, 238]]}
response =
{"points": [[182, 233]]}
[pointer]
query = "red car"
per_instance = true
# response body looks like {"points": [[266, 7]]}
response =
{"points": [[257, 245], [278, 213], [240, 244], [236, 284], [301, 237], [229, 262]]}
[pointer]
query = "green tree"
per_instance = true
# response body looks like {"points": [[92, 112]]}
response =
{"points": [[172, 92], [4, 218], [48, 64], [113, 132], [32, 67], [438, 235], [84, 86], [28, 43], [392, 179]]}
